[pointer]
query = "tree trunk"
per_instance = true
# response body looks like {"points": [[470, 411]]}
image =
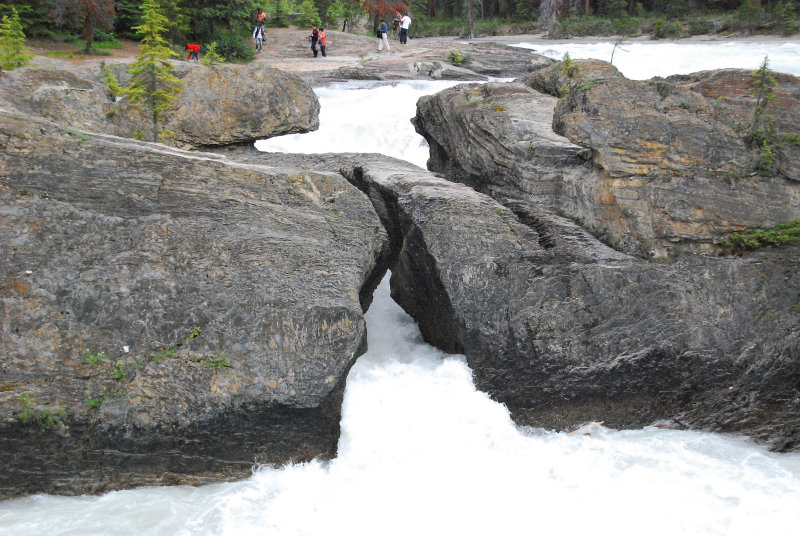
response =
{"points": [[550, 13]]}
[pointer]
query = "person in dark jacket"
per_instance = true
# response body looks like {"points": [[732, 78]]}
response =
{"points": [[383, 38], [314, 38]]}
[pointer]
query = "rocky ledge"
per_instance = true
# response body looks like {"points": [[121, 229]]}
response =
{"points": [[654, 167], [170, 317], [219, 105]]}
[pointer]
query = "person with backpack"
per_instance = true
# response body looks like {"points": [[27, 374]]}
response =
{"points": [[314, 38], [323, 42], [258, 35], [382, 32]]}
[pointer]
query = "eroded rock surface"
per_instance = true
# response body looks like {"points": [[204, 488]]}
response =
{"points": [[651, 175], [563, 329], [170, 317], [220, 105]]}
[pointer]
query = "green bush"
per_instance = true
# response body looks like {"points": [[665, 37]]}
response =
{"points": [[233, 47], [779, 235]]}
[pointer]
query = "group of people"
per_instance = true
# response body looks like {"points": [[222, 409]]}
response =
{"points": [[403, 22], [318, 37], [258, 31]]}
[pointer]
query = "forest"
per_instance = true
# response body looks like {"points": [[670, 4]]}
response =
{"points": [[229, 23]]}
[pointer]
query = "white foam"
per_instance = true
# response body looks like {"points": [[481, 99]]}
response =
{"points": [[640, 61], [364, 118], [423, 452]]}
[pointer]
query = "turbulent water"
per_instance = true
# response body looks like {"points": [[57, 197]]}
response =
{"points": [[423, 452], [640, 61]]}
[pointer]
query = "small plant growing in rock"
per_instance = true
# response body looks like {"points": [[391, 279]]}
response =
{"points": [[120, 372], [169, 352], [569, 90], [43, 418], [93, 358], [455, 58], [111, 80], [211, 56], [94, 402], [214, 363]]}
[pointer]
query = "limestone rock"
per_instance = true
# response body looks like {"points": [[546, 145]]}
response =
{"points": [[115, 252], [219, 105]]}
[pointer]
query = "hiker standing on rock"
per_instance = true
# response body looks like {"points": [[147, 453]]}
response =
{"points": [[323, 42], [382, 38], [405, 22], [314, 38], [258, 35]]}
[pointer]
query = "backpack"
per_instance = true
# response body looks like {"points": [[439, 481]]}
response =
{"points": [[379, 33]]}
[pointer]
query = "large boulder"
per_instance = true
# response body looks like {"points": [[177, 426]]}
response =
{"points": [[650, 201], [563, 329], [170, 317], [219, 105]]}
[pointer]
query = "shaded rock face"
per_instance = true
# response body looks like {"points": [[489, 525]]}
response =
{"points": [[170, 317], [650, 201], [563, 329], [220, 105], [569, 330]]}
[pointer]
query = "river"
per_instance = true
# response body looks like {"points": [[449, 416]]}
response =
{"points": [[423, 452]]}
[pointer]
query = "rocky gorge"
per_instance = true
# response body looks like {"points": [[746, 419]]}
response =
{"points": [[170, 316]]}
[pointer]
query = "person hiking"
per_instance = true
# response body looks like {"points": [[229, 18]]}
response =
{"points": [[193, 51], [323, 42], [405, 22], [261, 17], [314, 38], [382, 38], [258, 35]]}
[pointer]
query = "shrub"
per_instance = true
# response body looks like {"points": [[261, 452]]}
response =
{"points": [[234, 47], [781, 234], [455, 58]]}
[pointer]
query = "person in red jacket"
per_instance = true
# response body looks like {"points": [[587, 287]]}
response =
{"points": [[193, 51], [323, 42]]}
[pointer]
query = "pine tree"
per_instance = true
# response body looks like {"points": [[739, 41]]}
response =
{"points": [[13, 52], [152, 80], [308, 14]]}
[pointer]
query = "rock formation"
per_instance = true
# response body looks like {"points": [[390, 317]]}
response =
{"points": [[219, 105], [563, 329], [651, 166], [169, 316]]}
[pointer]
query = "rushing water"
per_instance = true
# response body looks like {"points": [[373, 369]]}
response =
{"points": [[423, 452], [641, 60]]}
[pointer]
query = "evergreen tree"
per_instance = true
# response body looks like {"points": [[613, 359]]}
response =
{"points": [[153, 83], [85, 15], [308, 14], [13, 52]]}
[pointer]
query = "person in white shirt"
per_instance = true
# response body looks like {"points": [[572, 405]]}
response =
{"points": [[405, 22]]}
